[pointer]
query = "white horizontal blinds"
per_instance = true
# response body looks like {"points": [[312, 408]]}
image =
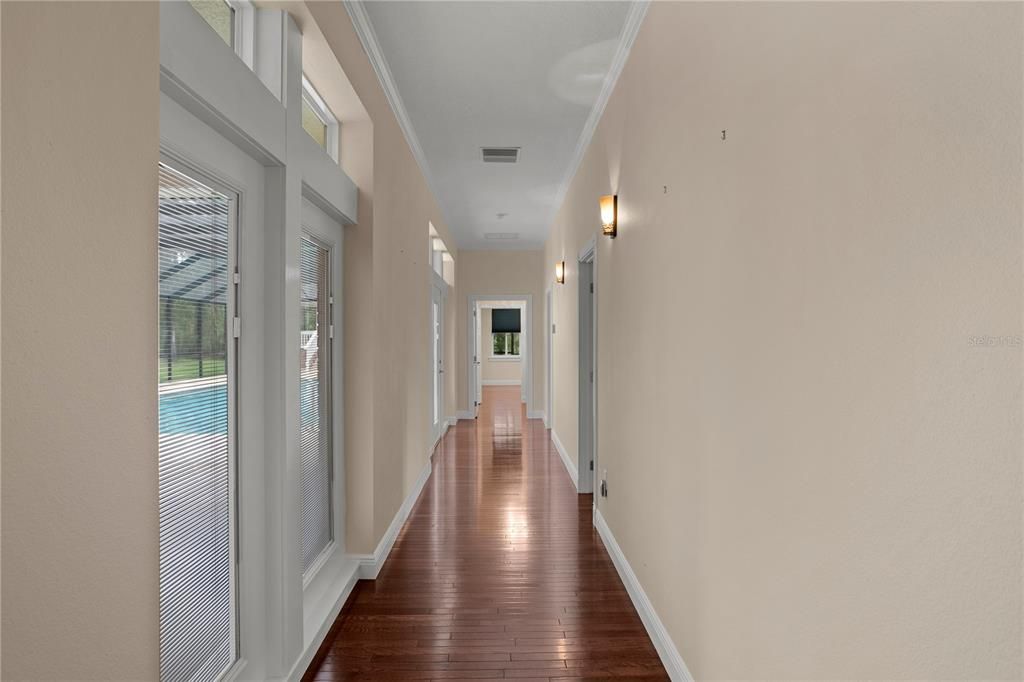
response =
{"points": [[314, 401], [197, 624]]}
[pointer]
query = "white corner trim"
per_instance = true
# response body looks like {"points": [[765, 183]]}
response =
{"points": [[569, 466], [500, 382], [370, 564], [634, 18], [368, 37], [667, 651], [465, 414], [537, 414], [452, 421]]}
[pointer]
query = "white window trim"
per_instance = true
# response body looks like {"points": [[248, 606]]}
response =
{"points": [[507, 357], [319, 107], [245, 31]]}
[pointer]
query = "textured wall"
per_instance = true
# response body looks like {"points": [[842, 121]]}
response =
{"points": [[814, 469], [80, 147]]}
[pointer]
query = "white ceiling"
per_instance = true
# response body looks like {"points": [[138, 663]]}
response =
{"points": [[503, 74]]}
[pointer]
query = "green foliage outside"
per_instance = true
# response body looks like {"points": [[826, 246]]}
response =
{"points": [[195, 330], [505, 343]]}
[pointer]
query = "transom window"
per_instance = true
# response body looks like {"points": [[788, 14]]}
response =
{"points": [[318, 121], [232, 20], [219, 15]]}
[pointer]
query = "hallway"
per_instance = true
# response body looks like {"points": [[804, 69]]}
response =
{"points": [[497, 573]]}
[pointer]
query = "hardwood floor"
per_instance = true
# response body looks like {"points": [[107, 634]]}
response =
{"points": [[497, 573]]}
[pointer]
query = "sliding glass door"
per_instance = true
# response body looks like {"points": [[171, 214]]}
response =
{"points": [[195, 385]]}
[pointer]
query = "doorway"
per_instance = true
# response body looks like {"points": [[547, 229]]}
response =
{"points": [[549, 335], [500, 352], [587, 372], [438, 418]]}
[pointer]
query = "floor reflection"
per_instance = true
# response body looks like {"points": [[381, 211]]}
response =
{"points": [[497, 573]]}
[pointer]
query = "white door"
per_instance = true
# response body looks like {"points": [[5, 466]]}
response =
{"points": [[203, 244], [549, 408], [437, 334], [587, 368], [477, 391]]}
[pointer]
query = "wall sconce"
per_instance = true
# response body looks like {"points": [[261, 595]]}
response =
{"points": [[560, 272], [610, 214]]}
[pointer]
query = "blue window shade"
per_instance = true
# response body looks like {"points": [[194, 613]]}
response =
{"points": [[505, 320]]}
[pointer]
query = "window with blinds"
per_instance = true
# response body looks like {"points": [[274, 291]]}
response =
{"points": [[196, 456], [316, 470]]}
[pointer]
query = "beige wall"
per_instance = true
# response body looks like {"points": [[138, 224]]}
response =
{"points": [[80, 147], [499, 273], [387, 299], [491, 369], [820, 475]]}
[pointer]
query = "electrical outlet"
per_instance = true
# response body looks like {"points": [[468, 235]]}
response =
{"points": [[604, 483]]}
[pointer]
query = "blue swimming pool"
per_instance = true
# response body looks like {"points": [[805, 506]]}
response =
{"points": [[201, 410], [205, 410]]}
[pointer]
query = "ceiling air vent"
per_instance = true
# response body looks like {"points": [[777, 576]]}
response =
{"points": [[501, 235], [500, 154]]}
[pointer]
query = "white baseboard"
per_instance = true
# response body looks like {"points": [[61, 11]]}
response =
{"points": [[346, 582], [537, 414], [667, 651], [569, 466], [500, 382], [452, 421], [370, 564], [439, 437], [465, 414]]}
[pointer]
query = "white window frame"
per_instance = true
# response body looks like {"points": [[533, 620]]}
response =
{"points": [[316, 102], [245, 29], [507, 356], [199, 151]]}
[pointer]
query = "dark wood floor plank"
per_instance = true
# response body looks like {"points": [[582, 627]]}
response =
{"points": [[498, 573]]}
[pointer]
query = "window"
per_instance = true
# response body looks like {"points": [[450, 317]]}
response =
{"points": [[196, 458], [505, 329], [232, 21], [315, 447], [505, 344], [318, 121], [219, 15]]}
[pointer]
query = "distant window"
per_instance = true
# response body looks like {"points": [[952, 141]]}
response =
{"points": [[318, 121], [505, 345], [219, 15]]}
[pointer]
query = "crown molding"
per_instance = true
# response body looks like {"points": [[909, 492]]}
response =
{"points": [[368, 37], [635, 17]]}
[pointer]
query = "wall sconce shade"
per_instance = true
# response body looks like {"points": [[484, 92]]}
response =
{"points": [[610, 215], [560, 272]]}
